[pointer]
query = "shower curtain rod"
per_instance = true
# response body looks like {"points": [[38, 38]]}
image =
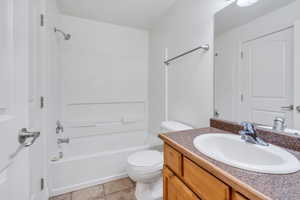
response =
{"points": [[204, 47]]}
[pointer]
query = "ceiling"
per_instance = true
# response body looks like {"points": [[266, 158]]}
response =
{"points": [[133, 13], [234, 16]]}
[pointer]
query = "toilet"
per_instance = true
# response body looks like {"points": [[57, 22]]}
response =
{"points": [[145, 167]]}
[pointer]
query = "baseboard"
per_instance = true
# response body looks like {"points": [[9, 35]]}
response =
{"points": [[86, 184]]}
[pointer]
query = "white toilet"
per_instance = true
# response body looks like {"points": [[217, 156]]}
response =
{"points": [[145, 167]]}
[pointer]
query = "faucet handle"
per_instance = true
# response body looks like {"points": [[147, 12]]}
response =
{"points": [[59, 127], [279, 124], [248, 127], [249, 134]]}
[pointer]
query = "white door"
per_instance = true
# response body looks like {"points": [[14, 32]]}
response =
{"points": [[14, 166], [297, 77], [267, 78], [36, 88]]}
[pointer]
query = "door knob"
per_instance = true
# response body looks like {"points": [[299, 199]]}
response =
{"points": [[25, 134], [298, 108]]}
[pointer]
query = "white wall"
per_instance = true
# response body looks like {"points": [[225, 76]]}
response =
{"points": [[186, 25], [103, 103], [228, 46]]}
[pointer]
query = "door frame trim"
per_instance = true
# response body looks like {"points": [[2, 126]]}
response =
{"points": [[296, 73]]}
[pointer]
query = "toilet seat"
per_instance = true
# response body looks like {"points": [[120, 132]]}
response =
{"points": [[145, 170], [145, 158], [146, 161]]}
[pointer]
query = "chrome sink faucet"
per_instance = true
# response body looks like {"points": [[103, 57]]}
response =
{"points": [[249, 134]]}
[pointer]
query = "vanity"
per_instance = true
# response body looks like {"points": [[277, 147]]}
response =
{"points": [[189, 174]]}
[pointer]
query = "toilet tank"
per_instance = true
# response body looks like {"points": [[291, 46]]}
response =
{"points": [[173, 126]]}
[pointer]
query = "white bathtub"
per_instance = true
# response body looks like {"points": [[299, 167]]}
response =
{"points": [[83, 171]]}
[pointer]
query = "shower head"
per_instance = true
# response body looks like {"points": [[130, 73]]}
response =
{"points": [[65, 35]]}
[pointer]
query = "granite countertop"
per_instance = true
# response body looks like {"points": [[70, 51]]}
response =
{"points": [[277, 187]]}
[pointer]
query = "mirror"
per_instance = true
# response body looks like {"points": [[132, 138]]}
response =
{"points": [[254, 62]]}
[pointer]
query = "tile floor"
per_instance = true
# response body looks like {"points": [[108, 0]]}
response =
{"points": [[122, 189]]}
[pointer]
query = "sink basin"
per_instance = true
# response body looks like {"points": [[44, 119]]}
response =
{"points": [[232, 150]]}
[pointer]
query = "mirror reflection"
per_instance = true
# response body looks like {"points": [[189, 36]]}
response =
{"points": [[255, 63]]}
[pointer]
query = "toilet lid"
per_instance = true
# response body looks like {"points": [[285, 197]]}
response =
{"points": [[145, 158]]}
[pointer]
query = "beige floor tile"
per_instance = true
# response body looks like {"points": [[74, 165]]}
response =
{"points": [[62, 197], [118, 185], [91, 193], [127, 194]]}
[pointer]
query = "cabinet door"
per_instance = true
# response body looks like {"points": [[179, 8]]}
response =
{"points": [[203, 183], [174, 189], [237, 196], [173, 159]]}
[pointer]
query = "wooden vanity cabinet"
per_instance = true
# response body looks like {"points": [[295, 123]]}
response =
{"points": [[237, 196], [204, 184], [175, 189], [185, 180], [173, 159]]}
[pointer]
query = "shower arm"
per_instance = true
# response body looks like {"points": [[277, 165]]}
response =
{"points": [[60, 31], [66, 36]]}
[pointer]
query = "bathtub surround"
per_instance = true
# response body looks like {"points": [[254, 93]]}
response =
{"points": [[102, 101]]}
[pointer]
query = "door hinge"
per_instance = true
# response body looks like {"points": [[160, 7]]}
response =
{"points": [[42, 102], [42, 20], [42, 184]]}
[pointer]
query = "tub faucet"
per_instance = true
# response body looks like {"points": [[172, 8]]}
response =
{"points": [[249, 134], [59, 127]]}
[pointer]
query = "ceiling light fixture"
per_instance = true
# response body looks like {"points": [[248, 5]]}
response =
{"points": [[245, 3]]}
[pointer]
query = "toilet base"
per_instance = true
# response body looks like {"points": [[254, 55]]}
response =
{"points": [[151, 191]]}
